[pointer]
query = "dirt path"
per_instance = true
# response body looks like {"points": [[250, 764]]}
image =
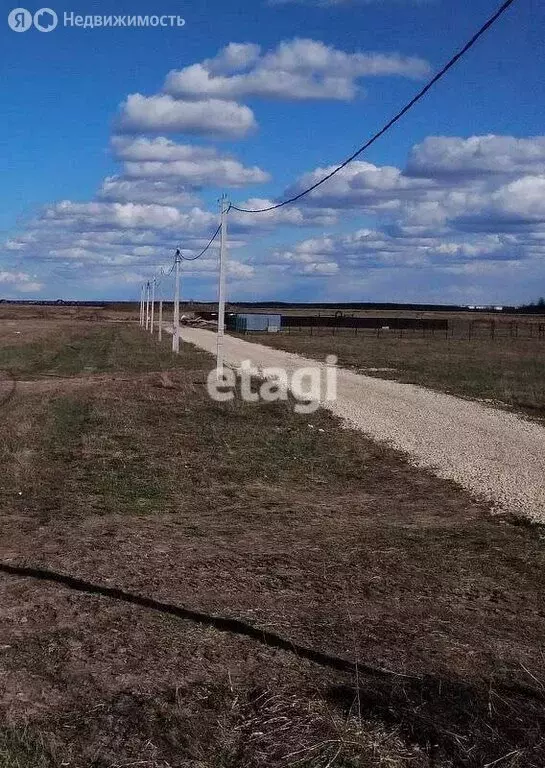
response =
{"points": [[494, 454]]}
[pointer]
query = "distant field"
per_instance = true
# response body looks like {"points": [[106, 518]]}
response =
{"points": [[506, 366], [10, 313], [507, 371], [115, 467]]}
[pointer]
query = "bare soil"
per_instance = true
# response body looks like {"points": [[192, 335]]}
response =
{"points": [[305, 597]]}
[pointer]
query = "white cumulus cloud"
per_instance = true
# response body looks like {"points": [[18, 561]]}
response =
{"points": [[21, 282], [163, 114], [298, 69], [475, 156], [147, 191]]}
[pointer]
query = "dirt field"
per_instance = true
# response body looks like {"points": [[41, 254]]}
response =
{"points": [[187, 583]]}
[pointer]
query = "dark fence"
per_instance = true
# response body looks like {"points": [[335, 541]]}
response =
{"points": [[407, 328], [346, 321], [461, 328], [343, 321]]}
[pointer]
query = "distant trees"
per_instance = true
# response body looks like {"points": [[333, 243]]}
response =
{"points": [[534, 307]]}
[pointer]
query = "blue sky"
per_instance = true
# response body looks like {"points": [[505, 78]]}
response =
{"points": [[110, 162]]}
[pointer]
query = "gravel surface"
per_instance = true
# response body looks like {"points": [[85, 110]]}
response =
{"points": [[494, 454]]}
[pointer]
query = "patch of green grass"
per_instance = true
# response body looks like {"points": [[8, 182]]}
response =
{"points": [[95, 457], [20, 749], [100, 350], [70, 417], [121, 484], [60, 354], [24, 358]]}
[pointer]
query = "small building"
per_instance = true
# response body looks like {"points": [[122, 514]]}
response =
{"points": [[245, 322]]}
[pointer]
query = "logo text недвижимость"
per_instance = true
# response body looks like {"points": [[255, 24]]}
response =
{"points": [[46, 20]]}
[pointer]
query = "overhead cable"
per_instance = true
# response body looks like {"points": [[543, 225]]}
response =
{"points": [[501, 10]]}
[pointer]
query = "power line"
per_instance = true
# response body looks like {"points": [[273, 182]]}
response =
{"points": [[178, 257], [194, 258], [501, 10]]}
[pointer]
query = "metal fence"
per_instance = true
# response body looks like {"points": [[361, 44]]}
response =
{"points": [[469, 330]]}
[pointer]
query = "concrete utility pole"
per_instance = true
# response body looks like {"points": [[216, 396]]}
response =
{"points": [[142, 305], [176, 328], [160, 299], [147, 306], [160, 319], [224, 207], [153, 284]]}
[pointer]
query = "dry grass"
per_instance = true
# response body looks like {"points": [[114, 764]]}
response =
{"points": [[126, 474], [21, 313], [508, 372], [20, 748]]}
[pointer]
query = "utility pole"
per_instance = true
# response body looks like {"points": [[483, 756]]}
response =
{"points": [[147, 305], [142, 305], [224, 207], [161, 306], [176, 328], [160, 319], [153, 284]]}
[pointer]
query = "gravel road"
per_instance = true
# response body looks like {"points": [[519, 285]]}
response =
{"points": [[494, 454]]}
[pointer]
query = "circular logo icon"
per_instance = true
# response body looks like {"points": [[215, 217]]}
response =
{"points": [[45, 20], [20, 20]]}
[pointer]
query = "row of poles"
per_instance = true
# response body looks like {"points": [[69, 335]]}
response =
{"points": [[152, 291]]}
